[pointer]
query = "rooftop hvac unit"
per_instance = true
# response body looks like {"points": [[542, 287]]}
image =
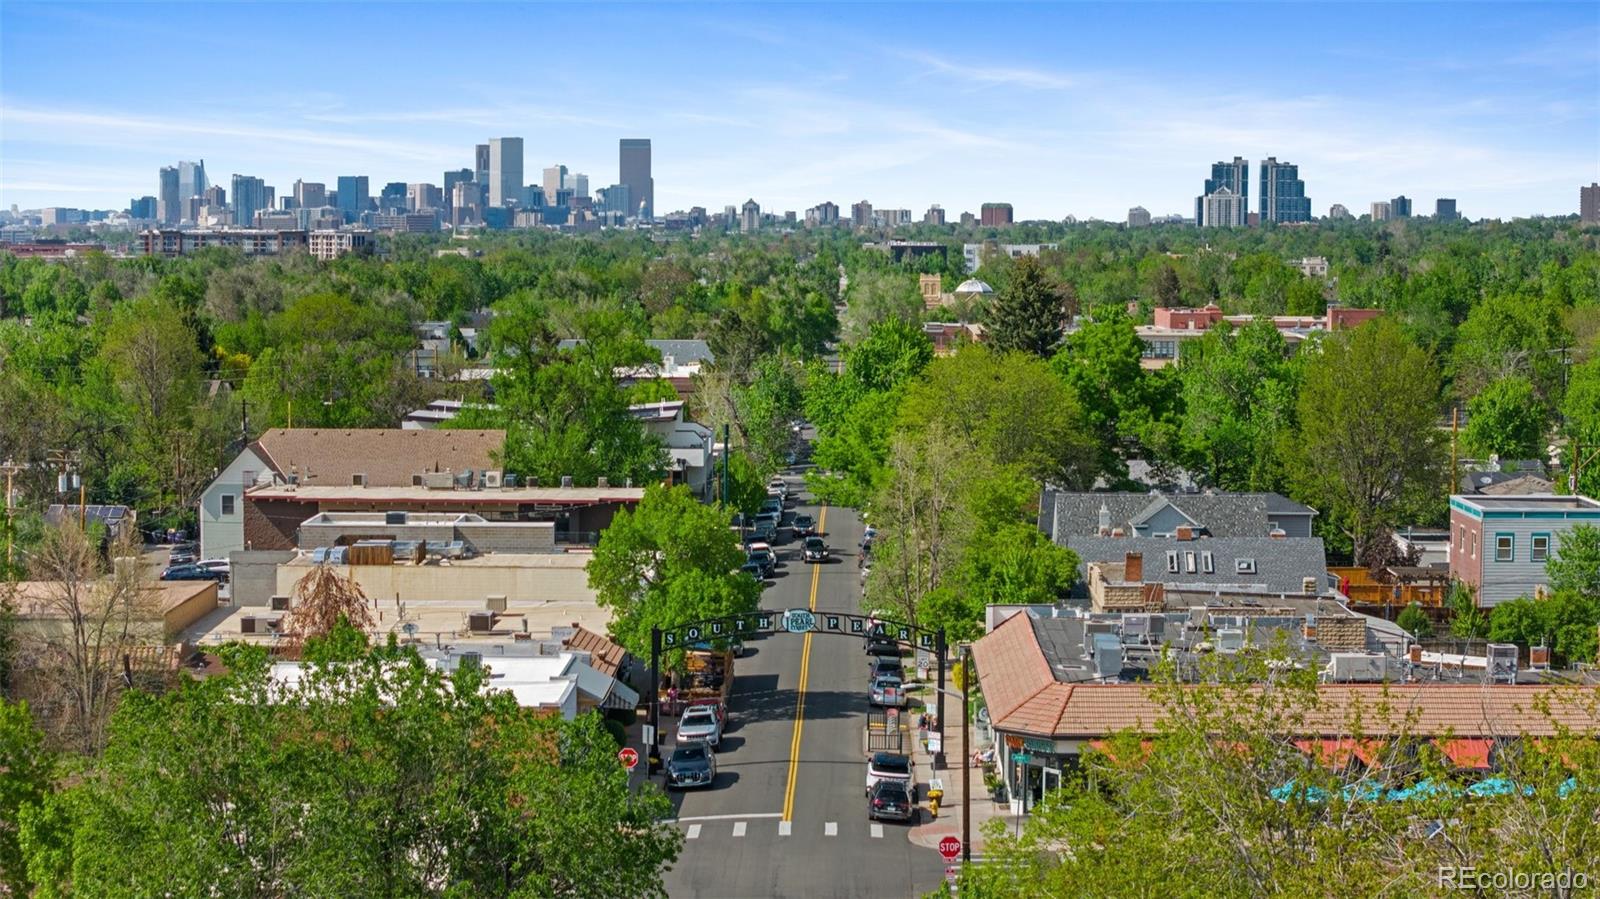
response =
{"points": [[470, 660], [1356, 667], [491, 480], [566, 482], [1502, 666], [280, 603], [1230, 639], [1135, 628], [247, 624], [438, 480], [1309, 586], [1090, 629], [1107, 656]]}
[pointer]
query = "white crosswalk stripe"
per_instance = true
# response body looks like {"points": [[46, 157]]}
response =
{"points": [[738, 828], [830, 829], [694, 832], [877, 831], [785, 828]]}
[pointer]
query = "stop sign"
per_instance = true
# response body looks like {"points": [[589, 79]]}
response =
{"points": [[950, 847], [630, 757]]}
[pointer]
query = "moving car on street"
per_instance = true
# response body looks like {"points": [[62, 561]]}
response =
{"points": [[699, 724], [815, 550], [691, 765], [192, 573], [804, 526], [887, 666], [888, 690], [882, 645], [888, 766], [762, 554], [890, 800]]}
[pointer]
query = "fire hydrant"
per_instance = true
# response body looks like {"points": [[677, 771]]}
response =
{"points": [[935, 794]]}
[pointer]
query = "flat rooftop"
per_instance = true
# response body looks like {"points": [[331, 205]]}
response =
{"points": [[509, 496], [1527, 503]]}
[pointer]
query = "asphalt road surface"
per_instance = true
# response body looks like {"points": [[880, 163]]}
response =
{"points": [[787, 815]]}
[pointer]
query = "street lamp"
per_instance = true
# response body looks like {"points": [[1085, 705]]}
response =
{"points": [[966, 749]]}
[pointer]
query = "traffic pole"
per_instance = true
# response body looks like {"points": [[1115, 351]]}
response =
{"points": [[942, 650], [655, 702], [966, 756]]}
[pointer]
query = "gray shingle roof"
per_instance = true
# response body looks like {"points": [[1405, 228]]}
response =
{"points": [[683, 352], [1280, 565], [1222, 514]]}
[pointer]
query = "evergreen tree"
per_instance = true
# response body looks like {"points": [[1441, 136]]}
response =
{"points": [[1029, 313]]}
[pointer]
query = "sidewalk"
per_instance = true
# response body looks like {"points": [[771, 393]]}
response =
{"points": [[928, 833]]}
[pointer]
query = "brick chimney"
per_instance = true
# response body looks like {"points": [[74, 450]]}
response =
{"points": [[1133, 568], [1184, 532]]}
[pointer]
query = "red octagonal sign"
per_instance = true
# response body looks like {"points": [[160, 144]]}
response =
{"points": [[950, 847], [630, 758]]}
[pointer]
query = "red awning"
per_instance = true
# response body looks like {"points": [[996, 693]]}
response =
{"points": [[1336, 753], [1472, 754]]}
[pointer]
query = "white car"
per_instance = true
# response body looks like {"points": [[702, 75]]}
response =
{"points": [[700, 723], [217, 566], [889, 766]]}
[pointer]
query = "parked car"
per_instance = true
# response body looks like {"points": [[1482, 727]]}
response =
{"points": [[882, 766], [700, 724], [778, 485], [882, 645], [717, 709], [815, 550], [755, 570], [766, 530], [691, 765], [180, 556], [220, 566], [887, 666], [772, 504], [890, 800], [762, 554], [887, 690], [804, 526], [191, 573]]}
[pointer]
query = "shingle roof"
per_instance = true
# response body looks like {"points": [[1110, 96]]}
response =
{"points": [[605, 656], [1024, 697], [387, 456], [1281, 565], [1222, 514], [683, 352]]}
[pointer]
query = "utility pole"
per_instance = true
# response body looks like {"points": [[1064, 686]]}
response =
{"points": [[966, 754], [727, 450], [1455, 430], [11, 468]]}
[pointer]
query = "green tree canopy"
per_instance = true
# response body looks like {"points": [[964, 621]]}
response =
{"points": [[1239, 390], [1506, 419], [1029, 312]]}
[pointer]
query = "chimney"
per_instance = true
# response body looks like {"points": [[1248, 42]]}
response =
{"points": [[1133, 568], [1415, 651], [1185, 532]]}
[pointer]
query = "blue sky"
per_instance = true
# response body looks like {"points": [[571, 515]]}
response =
{"points": [[1059, 109]]}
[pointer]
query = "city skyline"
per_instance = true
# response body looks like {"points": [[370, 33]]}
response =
{"points": [[1496, 112]]}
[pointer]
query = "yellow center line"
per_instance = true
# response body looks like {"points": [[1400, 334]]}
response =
{"points": [[805, 673]]}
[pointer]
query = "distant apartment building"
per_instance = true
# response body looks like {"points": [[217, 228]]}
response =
{"points": [[934, 215], [995, 215], [1501, 543], [143, 208], [1338, 212], [822, 215], [634, 170], [1235, 178], [1400, 207], [861, 215], [1223, 208], [1589, 204], [505, 170], [171, 242], [1312, 266], [1138, 217], [973, 253], [276, 220], [1283, 194], [327, 245], [1444, 210], [1163, 340], [750, 217], [1382, 212], [425, 222]]}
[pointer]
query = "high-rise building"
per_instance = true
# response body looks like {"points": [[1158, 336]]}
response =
{"points": [[580, 186], [168, 206], [1283, 194], [142, 208], [505, 170], [1589, 204], [995, 215], [861, 215], [420, 197], [1138, 217], [355, 196], [214, 196], [310, 195], [451, 179], [1382, 212], [1235, 176], [1400, 207], [1222, 208], [481, 165], [555, 180], [750, 216], [466, 203], [1338, 211], [633, 169], [1444, 210], [392, 199], [192, 179], [249, 197], [934, 215]]}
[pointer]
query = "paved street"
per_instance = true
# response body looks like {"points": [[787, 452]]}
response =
{"points": [[787, 816]]}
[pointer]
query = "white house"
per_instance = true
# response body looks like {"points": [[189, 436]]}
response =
{"points": [[222, 504]]}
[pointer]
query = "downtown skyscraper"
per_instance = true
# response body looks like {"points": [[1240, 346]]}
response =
{"points": [[633, 170], [1235, 178], [1283, 194], [249, 197], [505, 171]]}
